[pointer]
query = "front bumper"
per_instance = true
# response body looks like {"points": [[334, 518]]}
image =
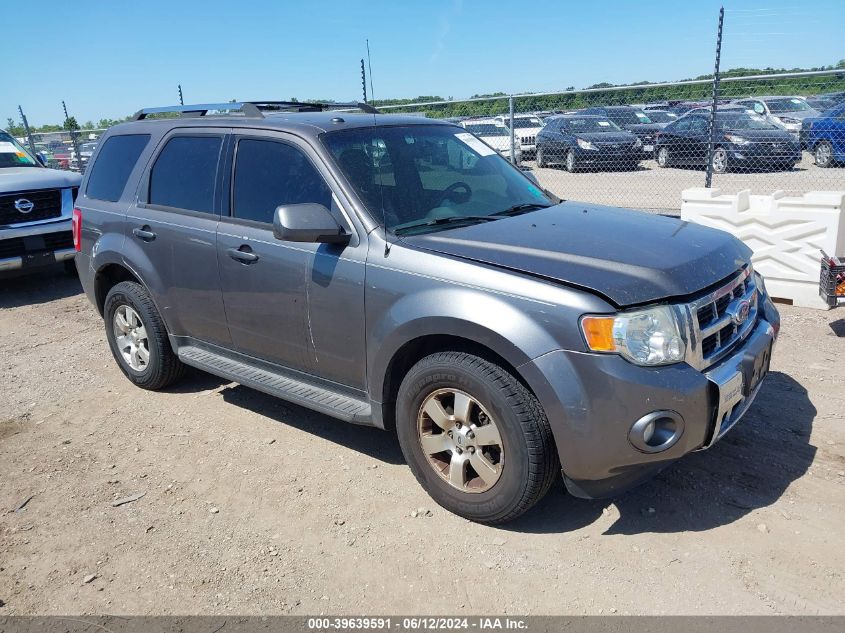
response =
{"points": [[760, 154], [35, 246], [592, 401]]}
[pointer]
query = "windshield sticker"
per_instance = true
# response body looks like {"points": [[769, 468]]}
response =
{"points": [[7, 148], [604, 123], [474, 144], [796, 101]]}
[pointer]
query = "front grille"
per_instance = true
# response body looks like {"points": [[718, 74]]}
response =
{"points": [[46, 204], [714, 324]]}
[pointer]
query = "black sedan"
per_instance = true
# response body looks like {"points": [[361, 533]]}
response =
{"points": [[743, 140], [579, 140], [633, 120]]}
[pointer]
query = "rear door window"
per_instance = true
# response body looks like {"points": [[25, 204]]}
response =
{"points": [[114, 163], [185, 173]]}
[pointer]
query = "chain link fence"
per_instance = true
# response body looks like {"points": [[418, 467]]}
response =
{"points": [[636, 146], [641, 146]]}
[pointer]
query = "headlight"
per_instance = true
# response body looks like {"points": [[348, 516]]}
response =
{"points": [[644, 337], [586, 144], [736, 140], [638, 144]]}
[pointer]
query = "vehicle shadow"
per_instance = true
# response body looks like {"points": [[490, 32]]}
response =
{"points": [[374, 443], [749, 469], [42, 286]]}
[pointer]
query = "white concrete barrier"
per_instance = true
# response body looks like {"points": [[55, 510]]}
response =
{"points": [[786, 234]]}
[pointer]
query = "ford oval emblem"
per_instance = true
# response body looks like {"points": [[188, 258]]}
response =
{"points": [[23, 205], [739, 313]]}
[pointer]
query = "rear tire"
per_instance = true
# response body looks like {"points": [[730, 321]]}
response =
{"points": [[541, 160], [513, 450], [138, 338], [823, 154], [663, 159]]}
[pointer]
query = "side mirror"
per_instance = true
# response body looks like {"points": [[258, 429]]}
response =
{"points": [[41, 158], [309, 222]]}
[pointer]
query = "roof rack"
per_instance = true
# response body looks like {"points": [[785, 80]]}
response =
{"points": [[253, 109]]}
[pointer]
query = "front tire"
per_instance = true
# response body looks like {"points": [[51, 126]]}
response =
{"points": [[138, 338], [475, 438], [720, 160], [571, 163], [823, 154], [541, 160], [663, 159]]}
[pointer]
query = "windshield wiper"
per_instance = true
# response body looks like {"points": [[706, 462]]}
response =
{"points": [[448, 220], [519, 209]]}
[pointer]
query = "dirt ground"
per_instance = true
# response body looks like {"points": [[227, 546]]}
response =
{"points": [[255, 506]]}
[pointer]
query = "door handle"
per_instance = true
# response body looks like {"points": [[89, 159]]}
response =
{"points": [[144, 233], [243, 256]]}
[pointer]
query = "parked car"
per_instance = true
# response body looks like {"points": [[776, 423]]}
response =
{"points": [[495, 134], [35, 209], [506, 336], [581, 140], [820, 103], [633, 120], [86, 150], [825, 137], [743, 140], [525, 127], [786, 112], [685, 106]]}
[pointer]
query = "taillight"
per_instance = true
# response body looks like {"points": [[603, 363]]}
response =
{"points": [[76, 227]]}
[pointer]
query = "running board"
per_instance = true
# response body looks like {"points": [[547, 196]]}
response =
{"points": [[306, 394]]}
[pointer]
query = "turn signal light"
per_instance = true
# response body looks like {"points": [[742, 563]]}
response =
{"points": [[599, 333]]}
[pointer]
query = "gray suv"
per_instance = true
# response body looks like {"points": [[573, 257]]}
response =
{"points": [[396, 272]]}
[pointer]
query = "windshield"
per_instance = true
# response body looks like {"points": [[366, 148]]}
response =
{"points": [[628, 117], [590, 124], [409, 176], [743, 121], [526, 122], [661, 117], [487, 129], [793, 104], [12, 154]]}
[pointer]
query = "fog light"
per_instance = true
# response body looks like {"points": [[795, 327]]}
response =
{"points": [[657, 431]]}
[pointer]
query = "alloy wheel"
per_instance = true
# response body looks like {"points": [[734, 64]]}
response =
{"points": [[663, 157], [823, 154], [460, 440], [130, 335], [720, 161]]}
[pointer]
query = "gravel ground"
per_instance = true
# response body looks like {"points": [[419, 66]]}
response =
{"points": [[252, 505], [651, 188]]}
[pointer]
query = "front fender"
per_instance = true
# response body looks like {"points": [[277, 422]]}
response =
{"points": [[500, 324]]}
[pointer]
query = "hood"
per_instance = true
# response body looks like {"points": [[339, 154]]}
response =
{"points": [[14, 179], [798, 116], [630, 257], [499, 142], [607, 137], [643, 129], [762, 136]]}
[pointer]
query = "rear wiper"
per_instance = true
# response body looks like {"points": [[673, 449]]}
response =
{"points": [[449, 220], [519, 209]]}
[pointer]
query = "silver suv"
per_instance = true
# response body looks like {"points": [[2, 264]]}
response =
{"points": [[35, 209], [397, 272]]}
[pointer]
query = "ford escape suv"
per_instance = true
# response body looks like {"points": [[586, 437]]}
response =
{"points": [[35, 209], [398, 272]]}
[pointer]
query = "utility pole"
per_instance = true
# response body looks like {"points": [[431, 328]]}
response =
{"points": [[708, 178], [364, 80], [181, 100], [74, 138], [27, 130]]}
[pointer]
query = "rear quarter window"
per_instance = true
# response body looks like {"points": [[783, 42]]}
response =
{"points": [[114, 163]]}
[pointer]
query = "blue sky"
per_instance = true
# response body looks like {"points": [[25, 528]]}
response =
{"points": [[107, 59]]}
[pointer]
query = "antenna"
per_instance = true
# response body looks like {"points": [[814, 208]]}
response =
{"points": [[370, 68], [375, 125], [181, 100], [364, 80]]}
